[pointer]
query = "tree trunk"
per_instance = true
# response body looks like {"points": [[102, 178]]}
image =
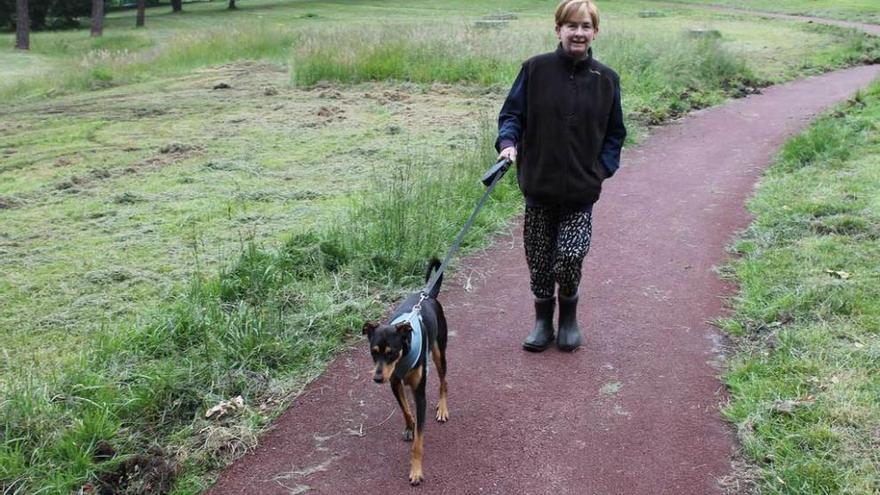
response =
{"points": [[176, 5], [97, 17], [22, 25], [142, 8], [231, 4]]}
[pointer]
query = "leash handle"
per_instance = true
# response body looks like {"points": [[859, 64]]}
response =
{"points": [[496, 171], [490, 179]]}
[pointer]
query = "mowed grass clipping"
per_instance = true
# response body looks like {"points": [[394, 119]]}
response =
{"points": [[805, 384]]}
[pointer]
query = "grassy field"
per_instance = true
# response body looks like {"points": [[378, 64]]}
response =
{"points": [[201, 209], [805, 384], [848, 10]]}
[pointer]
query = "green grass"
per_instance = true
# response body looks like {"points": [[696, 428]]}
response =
{"points": [[850, 10], [804, 385]]}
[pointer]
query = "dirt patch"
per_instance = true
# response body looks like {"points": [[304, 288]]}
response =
{"points": [[75, 183], [116, 275], [168, 154], [150, 473], [328, 115], [390, 96], [70, 184], [128, 198], [331, 94], [330, 111], [177, 148], [63, 162]]}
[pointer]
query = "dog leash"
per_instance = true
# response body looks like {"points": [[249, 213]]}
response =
{"points": [[490, 179]]}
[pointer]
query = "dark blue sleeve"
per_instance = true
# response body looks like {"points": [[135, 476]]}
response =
{"points": [[512, 117], [615, 134]]}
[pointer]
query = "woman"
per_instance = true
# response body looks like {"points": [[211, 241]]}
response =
{"points": [[563, 125]]}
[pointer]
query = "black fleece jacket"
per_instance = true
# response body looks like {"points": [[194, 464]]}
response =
{"points": [[565, 118]]}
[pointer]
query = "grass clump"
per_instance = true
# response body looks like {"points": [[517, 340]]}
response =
{"points": [[662, 76], [804, 387], [129, 412], [120, 59], [407, 226], [448, 54], [665, 76]]}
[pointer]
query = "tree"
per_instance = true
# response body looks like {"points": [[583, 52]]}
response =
{"points": [[97, 17], [45, 14], [142, 7], [176, 5], [22, 26], [231, 4]]}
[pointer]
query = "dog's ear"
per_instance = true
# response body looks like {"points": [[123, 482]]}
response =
{"points": [[370, 327], [404, 328]]}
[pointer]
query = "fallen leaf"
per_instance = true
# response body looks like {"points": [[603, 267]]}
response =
{"points": [[225, 406]]}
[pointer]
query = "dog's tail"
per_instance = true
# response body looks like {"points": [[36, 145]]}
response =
{"points": [[433, 265]]}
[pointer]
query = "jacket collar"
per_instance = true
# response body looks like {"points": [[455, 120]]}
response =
{"points": [[572, 64]]}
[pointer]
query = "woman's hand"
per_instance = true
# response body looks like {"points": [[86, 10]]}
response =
{"points": [[509, 153]]}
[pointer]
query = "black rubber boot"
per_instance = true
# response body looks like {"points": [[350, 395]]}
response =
{"points": [[569, 337], [542, 335]]}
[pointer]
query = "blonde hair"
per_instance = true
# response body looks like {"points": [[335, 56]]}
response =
{"points": [[569, 8]]}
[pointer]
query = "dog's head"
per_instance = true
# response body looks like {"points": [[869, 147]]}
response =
{"points": [[388, 344]]}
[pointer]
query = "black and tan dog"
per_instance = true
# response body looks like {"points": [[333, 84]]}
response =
{"points": [[400, 353]]}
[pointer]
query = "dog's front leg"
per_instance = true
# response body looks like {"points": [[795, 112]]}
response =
{"points": [[400, 395], [415, 470]]}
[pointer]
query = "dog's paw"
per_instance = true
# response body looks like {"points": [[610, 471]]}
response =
{"points": [[408, 435], [442, 414], [415, 477]]}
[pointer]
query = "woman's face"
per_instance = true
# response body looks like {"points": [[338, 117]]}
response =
{"points": [[576, 34]]}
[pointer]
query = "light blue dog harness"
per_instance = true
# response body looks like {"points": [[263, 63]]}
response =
{"points": [[417, 345]]}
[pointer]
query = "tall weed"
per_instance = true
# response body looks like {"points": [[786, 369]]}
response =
{"points": [[662, 75]]}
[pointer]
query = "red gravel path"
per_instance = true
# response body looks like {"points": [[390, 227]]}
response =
{"points": [[636, 409]]}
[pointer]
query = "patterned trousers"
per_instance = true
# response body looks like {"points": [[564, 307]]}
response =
{"points": [[556, 242]]}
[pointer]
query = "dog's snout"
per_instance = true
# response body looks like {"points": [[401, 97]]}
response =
{"points": [[378, 379]]}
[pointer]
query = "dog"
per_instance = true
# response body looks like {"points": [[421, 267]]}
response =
{"points": [[400, 355]]}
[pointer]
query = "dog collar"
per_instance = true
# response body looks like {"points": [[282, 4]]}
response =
{"points": [[411, 358]]}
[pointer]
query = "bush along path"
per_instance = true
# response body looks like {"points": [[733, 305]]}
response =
{"points": [[636, 410]]}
